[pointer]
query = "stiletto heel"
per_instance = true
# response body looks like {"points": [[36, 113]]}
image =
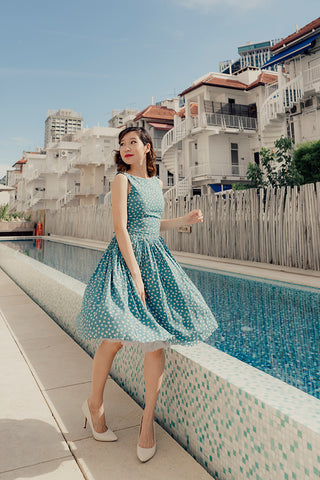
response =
{"points": [[145, 454], [107, 436]]}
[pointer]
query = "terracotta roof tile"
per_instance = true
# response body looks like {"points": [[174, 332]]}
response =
{"points": [[193, 110], [20, 162], [263, 79], [156, 112], [217, 82], [310, 27]]}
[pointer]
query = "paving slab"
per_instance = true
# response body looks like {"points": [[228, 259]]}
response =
{"points": [[121, 411], [118, 460], [45, 376], [28, 432], [63, 469]]}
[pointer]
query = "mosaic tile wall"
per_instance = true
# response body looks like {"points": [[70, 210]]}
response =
{"points": [[235, 420]]}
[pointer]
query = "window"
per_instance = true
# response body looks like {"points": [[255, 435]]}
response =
{"points": [[256, 157], [234, 159], [170, 179]]}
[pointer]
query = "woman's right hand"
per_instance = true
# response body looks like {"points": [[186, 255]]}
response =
{"points": [[140, 287]]}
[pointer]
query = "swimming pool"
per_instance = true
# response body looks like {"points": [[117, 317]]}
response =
{"points": [[272, 326]]}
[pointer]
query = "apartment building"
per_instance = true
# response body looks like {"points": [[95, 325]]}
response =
{"points": [[217, 133], [291, 106], [61, 122]]}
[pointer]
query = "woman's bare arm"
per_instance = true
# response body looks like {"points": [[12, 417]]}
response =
{"points": [[195, 216], [119, 194]]}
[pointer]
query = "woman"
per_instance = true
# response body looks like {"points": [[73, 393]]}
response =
{"points": [[138, 292]]}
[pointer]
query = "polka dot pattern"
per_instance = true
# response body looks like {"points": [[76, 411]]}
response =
{"points": [[175, 311]]}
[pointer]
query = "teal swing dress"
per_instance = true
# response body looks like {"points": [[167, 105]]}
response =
{"points": [[175, 311]]}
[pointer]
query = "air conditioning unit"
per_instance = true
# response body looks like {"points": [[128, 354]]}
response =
{"points": [[63, 154]]}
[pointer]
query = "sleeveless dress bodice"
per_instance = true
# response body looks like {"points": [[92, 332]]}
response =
{"points": [[175, 311]]}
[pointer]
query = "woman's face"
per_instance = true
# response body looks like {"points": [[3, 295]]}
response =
{"points": [[132, 149]]}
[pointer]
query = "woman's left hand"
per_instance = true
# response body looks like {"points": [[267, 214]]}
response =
{"points": [[195, 216]]}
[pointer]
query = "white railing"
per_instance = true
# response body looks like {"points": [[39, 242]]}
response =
{"points": [[280, 99], [173, 136], [88, 190], [311, 78], [183, 187], [30, 173], [37, 197], [220, 120], [270, 88], [231, 121]]}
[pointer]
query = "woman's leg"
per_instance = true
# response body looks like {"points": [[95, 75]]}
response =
{"points": [[153, 373], [100, 370]]}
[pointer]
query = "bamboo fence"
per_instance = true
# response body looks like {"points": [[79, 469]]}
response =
{"points": [[278, 226]]}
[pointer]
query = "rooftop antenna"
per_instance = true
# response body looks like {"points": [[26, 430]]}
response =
{"points": [[296, 27], [152, 100]]}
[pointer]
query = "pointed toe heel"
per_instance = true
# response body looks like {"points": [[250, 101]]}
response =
{"points": [[145, 454], [107, 436]]}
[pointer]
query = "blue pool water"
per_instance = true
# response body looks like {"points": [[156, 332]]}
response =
{"points": [[272, 326]]}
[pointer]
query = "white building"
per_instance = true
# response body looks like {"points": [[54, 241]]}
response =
{"points": [[119, 118], [95, 160], [77, 170], [157, 120], [61, 122], [217, 133], [250, 55], [291, 106]]}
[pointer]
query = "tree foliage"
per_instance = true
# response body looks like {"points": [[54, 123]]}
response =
{"points": [[277, 169], [307, 161], [7, 217]]}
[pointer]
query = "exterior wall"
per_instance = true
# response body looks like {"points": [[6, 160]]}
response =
{"points": [[121, 118]]}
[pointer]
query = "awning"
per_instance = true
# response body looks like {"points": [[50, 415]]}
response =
{"points": [[161, 126], [291, 52]]}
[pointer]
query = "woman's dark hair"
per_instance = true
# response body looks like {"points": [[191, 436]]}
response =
{"points": [[145, 139]]}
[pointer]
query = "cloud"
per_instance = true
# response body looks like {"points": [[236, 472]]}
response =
{"points": [[51, 72], [206, 5]]}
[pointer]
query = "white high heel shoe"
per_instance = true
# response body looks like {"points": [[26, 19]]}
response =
{"points": [[145, 454], [107, 436]]}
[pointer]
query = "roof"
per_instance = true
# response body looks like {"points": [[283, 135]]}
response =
{"points": [[161, 126], [309, 28], [20, 162], [263, 79], [193, 110], [156, 112], [217, 82]]}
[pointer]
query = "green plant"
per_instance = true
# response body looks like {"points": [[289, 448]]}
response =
{"points": [[278, 169], [7, 217], [307, 161]]}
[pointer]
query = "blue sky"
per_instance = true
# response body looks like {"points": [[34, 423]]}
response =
{"points": [[95, 56]]}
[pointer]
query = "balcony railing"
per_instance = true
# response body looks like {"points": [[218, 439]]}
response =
{"points": [[233, 109], [217, 170], [88, 190], [311, 78], [213, 119], [231, 121]]}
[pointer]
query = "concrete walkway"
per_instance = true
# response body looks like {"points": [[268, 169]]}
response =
{"points": [[45, 376]]}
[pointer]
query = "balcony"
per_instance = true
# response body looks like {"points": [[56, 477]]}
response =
{"points": [[311, 79], [88, 190], [218, 172], [221, 116]]}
